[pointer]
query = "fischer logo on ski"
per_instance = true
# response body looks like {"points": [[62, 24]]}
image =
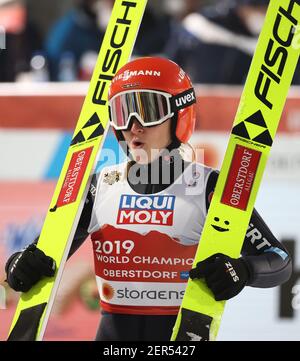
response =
{"points": [[93, 128], [283, 40], [113, 55], [256, 126]]}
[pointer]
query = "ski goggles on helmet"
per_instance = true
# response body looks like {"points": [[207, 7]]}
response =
{"points": [[150, 107]]}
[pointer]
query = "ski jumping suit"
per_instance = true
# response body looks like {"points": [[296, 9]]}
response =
{"points": [[144, 238]]}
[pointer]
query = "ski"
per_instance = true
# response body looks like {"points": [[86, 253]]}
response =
{"points": [[250, 141], [34, 307]]}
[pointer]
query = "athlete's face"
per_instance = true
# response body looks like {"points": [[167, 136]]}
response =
{"points": [[145, 143]]}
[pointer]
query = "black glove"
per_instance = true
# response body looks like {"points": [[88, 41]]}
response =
{"points": [[225, 276], [25, 269]]}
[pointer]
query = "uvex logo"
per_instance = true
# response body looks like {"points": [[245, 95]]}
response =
{"points": [[185, 99]]}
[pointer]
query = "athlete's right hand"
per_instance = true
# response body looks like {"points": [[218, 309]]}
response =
{"points": [[26, 268]]}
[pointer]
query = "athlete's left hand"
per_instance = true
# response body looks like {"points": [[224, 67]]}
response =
{"points": [[225, 276]]}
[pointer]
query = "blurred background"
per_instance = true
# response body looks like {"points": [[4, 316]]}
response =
{"points": [[48, 50]]}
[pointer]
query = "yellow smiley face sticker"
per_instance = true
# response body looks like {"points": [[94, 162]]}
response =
{"points": [[218, 226]]}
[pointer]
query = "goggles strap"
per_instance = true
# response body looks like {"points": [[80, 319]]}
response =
{"points": [[183, 100]]}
